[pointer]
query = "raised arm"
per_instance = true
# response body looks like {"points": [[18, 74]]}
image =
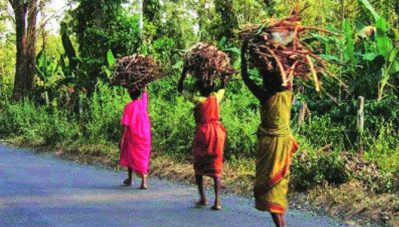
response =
{"points": [[256, 90], [186, 94], [180, 84], [223, 83]]}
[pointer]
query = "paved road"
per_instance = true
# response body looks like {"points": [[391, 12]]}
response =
{"points": [[41, 190]]}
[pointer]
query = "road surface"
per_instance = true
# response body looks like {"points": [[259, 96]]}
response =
{"points": [[42, 190]]}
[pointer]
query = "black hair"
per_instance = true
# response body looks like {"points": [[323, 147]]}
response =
{"points": [[205, 89], [272, 81], [135, 94]]}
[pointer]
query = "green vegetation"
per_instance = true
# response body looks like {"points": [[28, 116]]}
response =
{"points": [[74, 106]]}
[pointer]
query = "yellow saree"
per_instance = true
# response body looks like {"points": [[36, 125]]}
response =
{"points": [[275, 150]]}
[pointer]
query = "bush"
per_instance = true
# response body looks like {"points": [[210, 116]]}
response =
{"points": [[240, 115], [100, 120], [37, 122], [311, 167], [323, 132], [383, 149]]}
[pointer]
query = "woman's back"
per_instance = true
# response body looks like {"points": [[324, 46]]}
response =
{"points": [[276, 113], [136, 116], [207, 111]]}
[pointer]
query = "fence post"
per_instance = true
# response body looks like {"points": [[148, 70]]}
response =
{"points": [[360, 122], [80, 107], [301, 114], [304, 113]]}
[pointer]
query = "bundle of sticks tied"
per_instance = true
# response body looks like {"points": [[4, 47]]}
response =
{"points": [[278, 46], [207, 64], [135, 72]]}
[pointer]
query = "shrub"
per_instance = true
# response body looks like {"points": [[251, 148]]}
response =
{"points": [[37, 122], [100, 120], [322, 132], [313, 167]]}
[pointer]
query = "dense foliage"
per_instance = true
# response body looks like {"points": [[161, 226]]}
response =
{"points": [[100, 26]]}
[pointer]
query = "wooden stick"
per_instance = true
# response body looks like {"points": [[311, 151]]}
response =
{"points": [[295, 38], [360, 123], [313, 71], [319, 59], [291, 75], [328, 73], [332, 98], [318, 29], [292, 69], [291, 52]]}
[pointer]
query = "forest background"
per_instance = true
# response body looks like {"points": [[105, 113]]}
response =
{"points": [[55, 92]]}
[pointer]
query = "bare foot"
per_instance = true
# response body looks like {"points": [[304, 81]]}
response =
{"points": [[201, 203], [143, 187], [127, 182], [216, 207], [143, 182]]}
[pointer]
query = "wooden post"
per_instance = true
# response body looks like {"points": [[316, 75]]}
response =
{"points": [[46, 98], [80, 107], [304, 114], [141, 17], [360, 122], [301, 114]]}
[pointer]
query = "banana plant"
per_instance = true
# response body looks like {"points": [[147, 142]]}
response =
{"points": [[49, 74], [107, 69], [368, 62], [383, 46]]}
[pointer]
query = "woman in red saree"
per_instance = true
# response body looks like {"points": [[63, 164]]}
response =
{"points": [[209, 138]]}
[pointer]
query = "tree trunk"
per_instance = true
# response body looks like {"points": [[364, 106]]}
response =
{"points": [[141, 17], [25, 21], [31, 52]]}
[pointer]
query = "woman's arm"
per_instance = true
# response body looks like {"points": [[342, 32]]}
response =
{"points": [[122, 141], [220, 94], [186, 94], [180, 84], [224, 82], [256, 90]]}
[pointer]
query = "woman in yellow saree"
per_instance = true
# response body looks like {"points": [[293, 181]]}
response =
{"points": [[276, 144]]}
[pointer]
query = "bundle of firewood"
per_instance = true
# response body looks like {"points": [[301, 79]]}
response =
{"points": [[136, 71], [278, 46], [207, 64]]}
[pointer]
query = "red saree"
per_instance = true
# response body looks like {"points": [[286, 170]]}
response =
{"points": [[209, 138]]}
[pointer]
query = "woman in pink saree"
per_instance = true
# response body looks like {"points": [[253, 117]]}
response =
{"points": [[135, 144]]}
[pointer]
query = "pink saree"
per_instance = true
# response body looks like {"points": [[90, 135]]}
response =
{"points": [[136, 148]]}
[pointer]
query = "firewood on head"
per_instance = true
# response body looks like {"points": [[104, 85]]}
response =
{"points": [[277, 46], [135, 72], [207, 64]]}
